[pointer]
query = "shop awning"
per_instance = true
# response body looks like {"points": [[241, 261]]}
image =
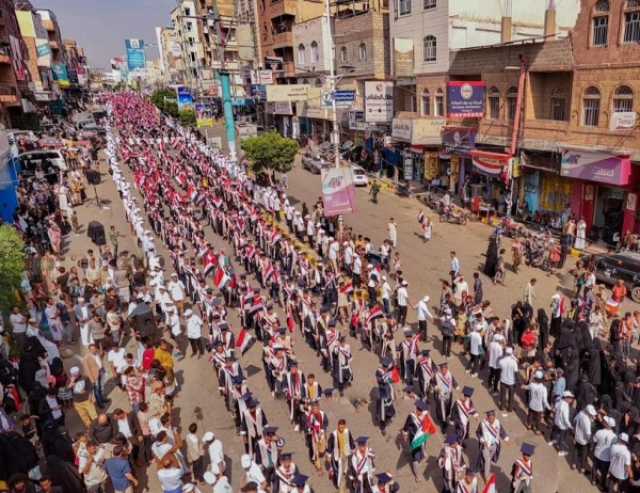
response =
{"points": [[600, 167], [492, 163]]}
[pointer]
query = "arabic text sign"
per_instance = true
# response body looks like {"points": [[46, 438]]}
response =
{"points": [[465, 99], [596, 166], [135, 54], [378, 101]]}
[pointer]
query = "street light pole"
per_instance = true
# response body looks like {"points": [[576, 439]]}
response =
{"points": [[332, 85]]}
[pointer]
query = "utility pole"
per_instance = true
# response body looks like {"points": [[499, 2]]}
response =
{"points": [[332, 85], [225, 82]]}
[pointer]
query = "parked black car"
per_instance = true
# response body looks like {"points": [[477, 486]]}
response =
{"points": [[624, 265]]}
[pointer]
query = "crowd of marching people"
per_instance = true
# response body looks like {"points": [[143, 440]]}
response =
{"points": [[294, 277]]}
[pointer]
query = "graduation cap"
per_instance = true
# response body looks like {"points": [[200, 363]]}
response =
{"points": [[229, 357], [452, 438], [252, 403], [527, 449], [270, 430], [408, 333], [286, 456], [237, 380], [383, 478], [444, 363], [422, 405], [300, 480], [387, 361], [362, 440], [223, 326], [425, 352], [467, 391], [328, 392]]}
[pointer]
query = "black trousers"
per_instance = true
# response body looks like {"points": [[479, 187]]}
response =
{"points": [[446, 344], [197, 346], [494, 378], [582, 451], [506, 396], [402, 315], [422, 328]]}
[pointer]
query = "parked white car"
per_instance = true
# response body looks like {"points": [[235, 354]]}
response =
{"points": [[360, 178]]}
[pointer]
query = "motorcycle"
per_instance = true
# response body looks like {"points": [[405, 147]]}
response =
{"points": [[454, 215]]}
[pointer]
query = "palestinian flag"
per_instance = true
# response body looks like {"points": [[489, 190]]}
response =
{"points": [[374, 314], [423, 435], [490, 487], [244, 341], [220, 279]]}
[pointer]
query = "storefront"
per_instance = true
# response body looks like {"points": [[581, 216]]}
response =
{"points": [[414, 138], [484, 179], [603, 192]]}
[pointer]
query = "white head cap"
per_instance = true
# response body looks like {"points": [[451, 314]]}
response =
{"points": [[208, 436], [591, 410], [209, 477], [426, 299], [624, 437]]}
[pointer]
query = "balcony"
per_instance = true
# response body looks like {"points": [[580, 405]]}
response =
{"points": [[289, 69], [8, 94], [283, 7], [48, 25], [282, 40]]}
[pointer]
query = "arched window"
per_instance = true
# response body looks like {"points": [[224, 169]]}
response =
{"points": [[591, 107], [430, 48], [512, 103], [301, 54], [343, 54], [426, 103], [362, 52], [315, 53], [623, 100], [602, 6], [494, 103]]}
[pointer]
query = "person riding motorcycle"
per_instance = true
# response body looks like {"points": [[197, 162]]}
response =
{"points": [[373, 191]]}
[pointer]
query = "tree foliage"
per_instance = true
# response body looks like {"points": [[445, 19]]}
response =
{"points": [[270, 152], [12, 266], [165, 100], [187, 118]]}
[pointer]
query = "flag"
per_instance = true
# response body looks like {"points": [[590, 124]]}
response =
{"points": [[424, 433], [347, 288], [490, 487], [217, 202], [210, 263], [244, 341], [256, 304], [375, 313], [269, 271], [220, 279], [420, 217]]}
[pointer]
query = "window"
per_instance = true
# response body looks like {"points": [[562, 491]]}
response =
{"points": [[301, 55], [430, 48], [591, 107], [600, 30], [632, 27], [315, 53], [438, 107], [602, 6], [494, 103], [404, 7], [426, 103], [362, 52], [343, 54], [558, 108], [429, 4], [512, 103], [623, 100]]}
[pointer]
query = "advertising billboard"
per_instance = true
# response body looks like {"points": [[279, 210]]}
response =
{"points": [[596, 166], [291, 92], [465, 99], [204, 115], [184, 97], [135, 54], [60, 74], [378, 101]]}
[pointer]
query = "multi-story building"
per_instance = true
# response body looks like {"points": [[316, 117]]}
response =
{"points": [[221, 45], [187, 26], [14, 72], [423, 32], [36, 41], [170, 54], [361, 33], [56, 47], [76, 62], [559, 131], [276, 19], [312, 42]]}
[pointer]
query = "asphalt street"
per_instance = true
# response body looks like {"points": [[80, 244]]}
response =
{"points": [[424, 265]]}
